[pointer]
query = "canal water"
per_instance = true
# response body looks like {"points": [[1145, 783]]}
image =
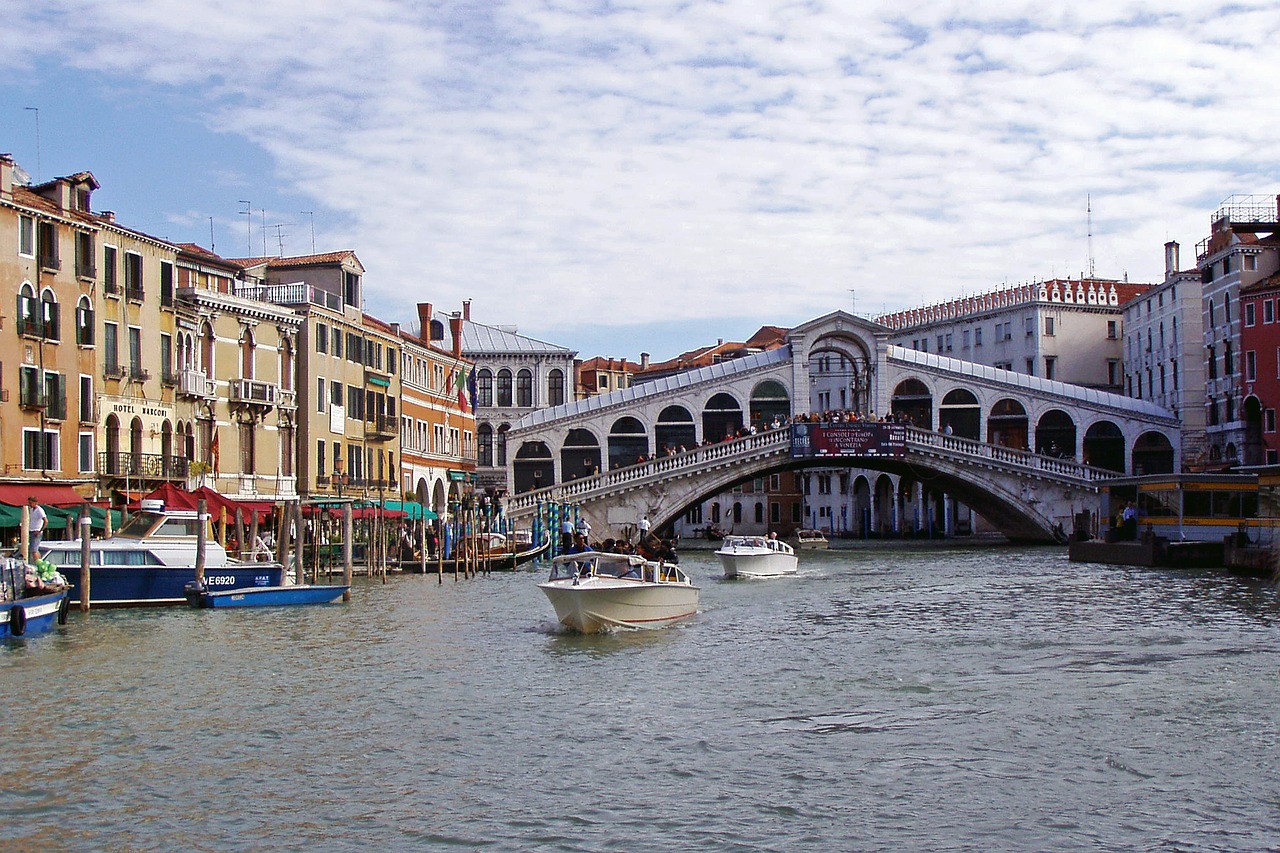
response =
{"points": [[940, 699]]}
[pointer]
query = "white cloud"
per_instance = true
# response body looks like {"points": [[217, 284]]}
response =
{"points": [[719, 160]]}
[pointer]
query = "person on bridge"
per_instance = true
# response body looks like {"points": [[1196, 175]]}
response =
{"points": [[643, 527], [584, 528]]}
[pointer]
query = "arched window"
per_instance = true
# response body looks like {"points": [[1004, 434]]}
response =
{"points": [[27, 316], [504, 388], [49, 325], [501, 446], [84, 322], [524, 389], [247, 347], [555, 388], [484, 388], [206, 350], [286, 365]]}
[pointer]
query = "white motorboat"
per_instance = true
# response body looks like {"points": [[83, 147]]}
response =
{"points": [[151, 559], [756, 557], [811, 540], [594, 591]]}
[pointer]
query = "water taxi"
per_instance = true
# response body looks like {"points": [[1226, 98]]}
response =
{"points": [[756, 557], [594, 591]]}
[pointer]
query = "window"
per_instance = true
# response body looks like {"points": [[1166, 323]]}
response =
{"points": [[351, 289], [965, 339], [322, 338], [1269, 311], [1113, 330], [1048, 326], [320, 457], [1228, 360], [111, 348], [948, 343], [1269, 420], [166, 360], [337, 342], [1050, 367], [1250, 366], [40, 450], [84, 322], [48, 245], [1249, 311], [1212, 361], [86, 400], [26, 237], [504, 388], [484, 388], [28, 318], [1031, 326], [133, 276], [321, 399], [335, 394], [602, 382], [1031, 366], [524, 388], [939, 349], [135, 352], [977, 336], [1250, 263], [85, 452], [85, 254], [166, 284], [555, 388], [109, 282]]}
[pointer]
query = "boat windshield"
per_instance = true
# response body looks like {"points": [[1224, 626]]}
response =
{"points": [[140, 525], [599, 564]]}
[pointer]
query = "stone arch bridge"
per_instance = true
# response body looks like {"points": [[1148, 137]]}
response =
{"points": [[1024, 452]]}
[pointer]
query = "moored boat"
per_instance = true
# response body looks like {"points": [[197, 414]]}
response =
{"points": [[595, 591], [151, 559], [756, 557], [28, 606], [493, 551], [265, 596]]}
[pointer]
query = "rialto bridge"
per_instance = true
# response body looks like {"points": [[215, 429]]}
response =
{"points": [[1025, 453]]}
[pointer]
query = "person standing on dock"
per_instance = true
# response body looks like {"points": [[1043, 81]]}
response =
{"points": [[584, 528], [1129, 521], [643, 527], [566, 534]]}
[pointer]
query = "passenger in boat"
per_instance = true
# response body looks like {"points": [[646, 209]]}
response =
{"points": [[38, 521], [566, 535]]}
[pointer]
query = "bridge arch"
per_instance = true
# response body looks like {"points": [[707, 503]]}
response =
{"points": [[1007, 424], [628, 442], [769, 400], [1153, 454], [1104, 446], [913, 401], [674, 430], [961, 411], [721, 417], [579, 455], [534, 467], [840, 369], [1056, 435]]}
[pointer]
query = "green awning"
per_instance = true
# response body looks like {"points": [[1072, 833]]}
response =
{"points": [[414, 509]]}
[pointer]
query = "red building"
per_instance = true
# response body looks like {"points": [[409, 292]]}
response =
{"points": [[1260, 345]]}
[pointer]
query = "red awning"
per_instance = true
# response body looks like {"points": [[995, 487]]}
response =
{"points": [[49, 494], [214, 502]]}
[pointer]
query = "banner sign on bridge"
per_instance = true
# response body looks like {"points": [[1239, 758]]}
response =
{"points": [[850, 441]]}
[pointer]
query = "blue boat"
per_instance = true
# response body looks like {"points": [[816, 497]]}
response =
{"points": [[27, 610], [152, 559], [265, 596]]}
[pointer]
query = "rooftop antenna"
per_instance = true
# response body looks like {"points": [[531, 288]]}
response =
{"points": [[1088, 203], [212, 247], [263, 211], [247, 213], [280, 236], [853, 301], [36, 110], [312, 214]]}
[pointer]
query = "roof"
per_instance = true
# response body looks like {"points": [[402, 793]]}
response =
{"points": [[1091, 396], [677, 381], [273, 262], [479, 339]]}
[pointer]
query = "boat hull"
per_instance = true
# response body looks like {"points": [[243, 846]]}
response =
{"points": [[599, 604], [268, 596], [769, 564], [36, 615], [142, 586]]}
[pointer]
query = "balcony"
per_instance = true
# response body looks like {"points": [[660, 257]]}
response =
{"points": [[322, 481], [137, 373], [251, 392], [115, 370], [193, 383], [381, 428], [288, 399], [145, 466]]}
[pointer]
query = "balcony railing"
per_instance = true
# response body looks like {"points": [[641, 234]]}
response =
{"points": [[290, 294], [168, 378], [381, 428], [115, 370], [254, 393], [147, 466], [137, 373], [193, 383], [322, 481], [288, 399]]}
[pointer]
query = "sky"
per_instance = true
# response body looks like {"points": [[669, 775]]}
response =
{"points": [[627, 177]]}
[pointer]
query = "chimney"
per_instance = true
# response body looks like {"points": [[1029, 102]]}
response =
{"points": [[6, 175], [466, 309], [455, 326], [424, 321], [1170, 258], [109, 215], [644, 361]]}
